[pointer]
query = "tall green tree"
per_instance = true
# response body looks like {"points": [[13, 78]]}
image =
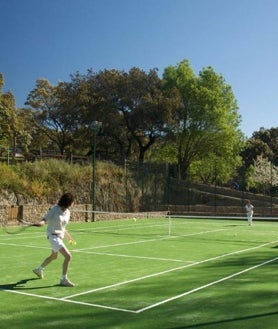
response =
{"points": [[133, 107], [9, 129], [53, 113], [262, 145], [145, 108], [206, 123], [254, 148], [270, 138], [93, 96]]}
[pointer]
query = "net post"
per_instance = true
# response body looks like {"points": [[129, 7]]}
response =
{"points": [[169, 224]]}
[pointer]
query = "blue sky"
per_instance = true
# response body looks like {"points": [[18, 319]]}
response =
{"points": [[53, 39]]}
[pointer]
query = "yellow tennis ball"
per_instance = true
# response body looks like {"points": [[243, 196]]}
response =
{"points": [[134, 219]]}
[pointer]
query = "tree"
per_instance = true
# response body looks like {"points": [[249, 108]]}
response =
{"points": [[94, 98], [25, 129], [264, 175], [270, 138], [263, 143], [145, 108], [206, 123], [133, 108], [253, 148], [8, 120], [52, 112]]}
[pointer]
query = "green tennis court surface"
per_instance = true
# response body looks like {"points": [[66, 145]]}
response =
{"points": [[150, 273]]}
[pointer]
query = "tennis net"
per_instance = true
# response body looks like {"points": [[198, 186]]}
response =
{"points": [[139, 223]]}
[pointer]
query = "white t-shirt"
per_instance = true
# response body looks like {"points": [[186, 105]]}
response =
{"points": [[57, 220], [249, 208]]}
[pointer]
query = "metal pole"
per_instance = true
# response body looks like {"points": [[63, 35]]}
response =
{"points": [[93, 195], [126, 195], [95, 126], [271, 178]]}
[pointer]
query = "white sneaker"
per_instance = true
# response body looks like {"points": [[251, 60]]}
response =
{"points": [[38, 272], [66, 283]]}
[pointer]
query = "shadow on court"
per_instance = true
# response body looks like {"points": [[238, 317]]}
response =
{"points": [[220, 322], [234, 225], [22, 285]]}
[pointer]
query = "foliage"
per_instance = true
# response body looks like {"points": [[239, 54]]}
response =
{"points": [[14, 125], [51, 114], [213, 170], [8, 122], [253, 148], [132, 106], [264, 175], [187, 119], [262, 145], [45, 180], [9, 178], [270, 138], [206, 124], [55, 177]]}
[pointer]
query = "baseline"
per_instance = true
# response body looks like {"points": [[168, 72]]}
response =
{"points": [[65, 299], [205, 286], [169, 271]]}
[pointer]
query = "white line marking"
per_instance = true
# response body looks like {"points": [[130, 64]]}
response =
{"points": [[205, 286], [67, 298], [133, 256], [168, 271], [150, 306], [152, 240], [68, 301], [22, 245], [115, 245]]}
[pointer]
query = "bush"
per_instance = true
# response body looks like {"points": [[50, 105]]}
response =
{"points": [[46, 180]]}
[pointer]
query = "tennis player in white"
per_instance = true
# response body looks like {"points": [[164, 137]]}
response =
{"points": [[249, 211], [57, 219]]}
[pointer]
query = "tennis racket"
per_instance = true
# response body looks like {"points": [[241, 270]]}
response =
{"points": [[15, 228]]}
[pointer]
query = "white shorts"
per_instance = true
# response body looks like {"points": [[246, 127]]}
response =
{"points": [[56, 242]]}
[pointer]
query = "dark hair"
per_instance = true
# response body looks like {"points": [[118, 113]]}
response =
{"points": [[66, 200]]}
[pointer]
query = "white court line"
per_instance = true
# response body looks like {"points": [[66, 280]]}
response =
{"points": [[169, 271], [114, 245], [152, 240], [133, 256], [152, 305], [23, 245], [205, 286], [68, 301], [21, 236]]}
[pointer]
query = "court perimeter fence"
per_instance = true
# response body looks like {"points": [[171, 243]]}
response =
{"points": [[158, 192]]}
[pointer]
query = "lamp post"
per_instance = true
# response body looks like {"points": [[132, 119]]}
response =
{"points": [[95, 126]]}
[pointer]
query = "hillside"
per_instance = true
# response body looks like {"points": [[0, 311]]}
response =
{"points": [[121, 190]]}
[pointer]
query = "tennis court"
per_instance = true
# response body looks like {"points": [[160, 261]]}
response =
{"points": [[149, 273]]}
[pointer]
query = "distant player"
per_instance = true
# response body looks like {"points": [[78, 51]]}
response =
{"points": [[249, 211]]}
